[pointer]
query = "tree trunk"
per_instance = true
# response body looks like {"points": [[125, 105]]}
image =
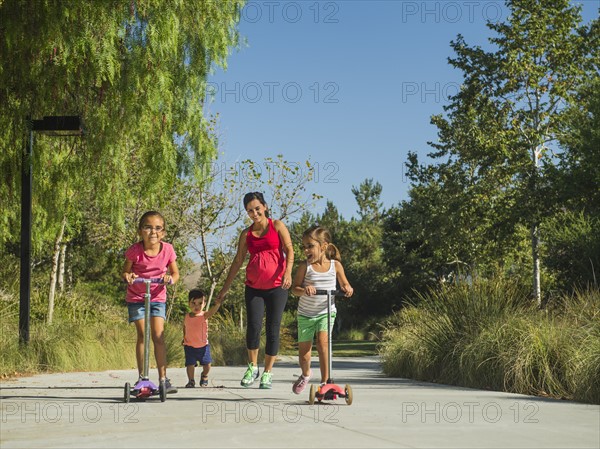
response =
{"points": [[213, 285], [535, 229], [61, 268], [535, 253], [55, 258]]}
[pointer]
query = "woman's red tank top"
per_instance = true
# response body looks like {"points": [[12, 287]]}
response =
{"points": [[267, 261]]}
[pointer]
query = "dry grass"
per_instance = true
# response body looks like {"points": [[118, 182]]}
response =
{"points": [[486, 335]]}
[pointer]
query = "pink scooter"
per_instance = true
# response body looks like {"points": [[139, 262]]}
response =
{"points": [[330, 390]]}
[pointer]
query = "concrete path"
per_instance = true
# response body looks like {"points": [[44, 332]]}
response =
{"points": [[87, 410]]}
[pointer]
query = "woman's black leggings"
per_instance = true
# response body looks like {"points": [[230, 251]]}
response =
{"points": [[273, 300]]}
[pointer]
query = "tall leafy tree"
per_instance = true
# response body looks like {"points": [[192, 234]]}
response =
{"points": [[521, 87], [359, 241], [572, 249], [135, 70], [330, 217], [576, 179], [368, 199]]}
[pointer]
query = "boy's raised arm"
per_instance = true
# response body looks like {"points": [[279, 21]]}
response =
{"points": [[210, 312]]}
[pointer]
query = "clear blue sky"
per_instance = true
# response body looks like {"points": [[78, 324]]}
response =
{"points": [[350, 85]]}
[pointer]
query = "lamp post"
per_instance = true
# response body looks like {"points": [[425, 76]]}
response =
{"points": [[53, 126]]}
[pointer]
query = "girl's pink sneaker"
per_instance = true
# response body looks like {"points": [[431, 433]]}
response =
{"points": [[300, 384]]}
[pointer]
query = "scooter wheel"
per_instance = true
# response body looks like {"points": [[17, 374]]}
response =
{"points": [[311, 397], [348, 392], [162, 391], [127, 393]]}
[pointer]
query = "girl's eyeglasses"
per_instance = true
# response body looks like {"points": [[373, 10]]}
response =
{"points": [[151, 228]]}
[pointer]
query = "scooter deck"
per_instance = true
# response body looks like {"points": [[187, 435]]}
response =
{"points": [[330, 391], [144, 389]]}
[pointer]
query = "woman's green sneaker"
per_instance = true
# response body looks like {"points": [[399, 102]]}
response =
{"points": [[265, 380], [249, 376]]}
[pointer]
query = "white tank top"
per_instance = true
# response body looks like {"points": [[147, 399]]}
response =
{"points": [[312, 306]]}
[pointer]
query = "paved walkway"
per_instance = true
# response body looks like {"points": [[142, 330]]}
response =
{"points": [[86, 410]]}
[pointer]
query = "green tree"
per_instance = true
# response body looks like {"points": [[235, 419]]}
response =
{"points": [[359, 241], [572, 245], [136, 72], [330, 218], [576, 179], [572, 252], [540, 57], [368, 196]]}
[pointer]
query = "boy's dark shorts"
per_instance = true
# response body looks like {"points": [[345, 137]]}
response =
{"points": [[193, 355]]}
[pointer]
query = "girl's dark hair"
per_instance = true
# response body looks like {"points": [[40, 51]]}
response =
{"points": [[322, 235], [196, 293], [151, 213], [256, 196]]}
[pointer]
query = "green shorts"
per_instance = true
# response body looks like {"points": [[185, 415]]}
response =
{"points": [[309, 325]]}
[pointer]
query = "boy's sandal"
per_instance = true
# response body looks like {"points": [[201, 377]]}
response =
{"points": [[191, 384], [204, 381]]}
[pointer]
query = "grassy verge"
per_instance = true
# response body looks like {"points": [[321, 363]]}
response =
{"points": [[67, 346], [90, 334], [489, 335]]}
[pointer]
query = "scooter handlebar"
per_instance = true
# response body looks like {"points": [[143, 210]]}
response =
{"points": [[330, 292], [151, 280]]}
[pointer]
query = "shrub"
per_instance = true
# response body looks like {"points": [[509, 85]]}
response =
{"points": [[572, 249], [487, 335]]}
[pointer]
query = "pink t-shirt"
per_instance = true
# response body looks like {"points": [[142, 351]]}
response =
{"points": [[196, 330], [149, 267]]}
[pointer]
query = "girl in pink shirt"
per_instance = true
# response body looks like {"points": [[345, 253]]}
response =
{"points": [[150, 258]]}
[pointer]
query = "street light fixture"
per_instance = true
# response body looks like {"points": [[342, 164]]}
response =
{"points": [[70, 125]]}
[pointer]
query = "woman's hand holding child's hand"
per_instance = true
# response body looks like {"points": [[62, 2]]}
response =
{"points": [[220, 298], [286, 282], [309, 290]]}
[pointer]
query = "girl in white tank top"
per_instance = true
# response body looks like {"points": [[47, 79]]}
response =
{"points": [[312, 306], [322, 270]]}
